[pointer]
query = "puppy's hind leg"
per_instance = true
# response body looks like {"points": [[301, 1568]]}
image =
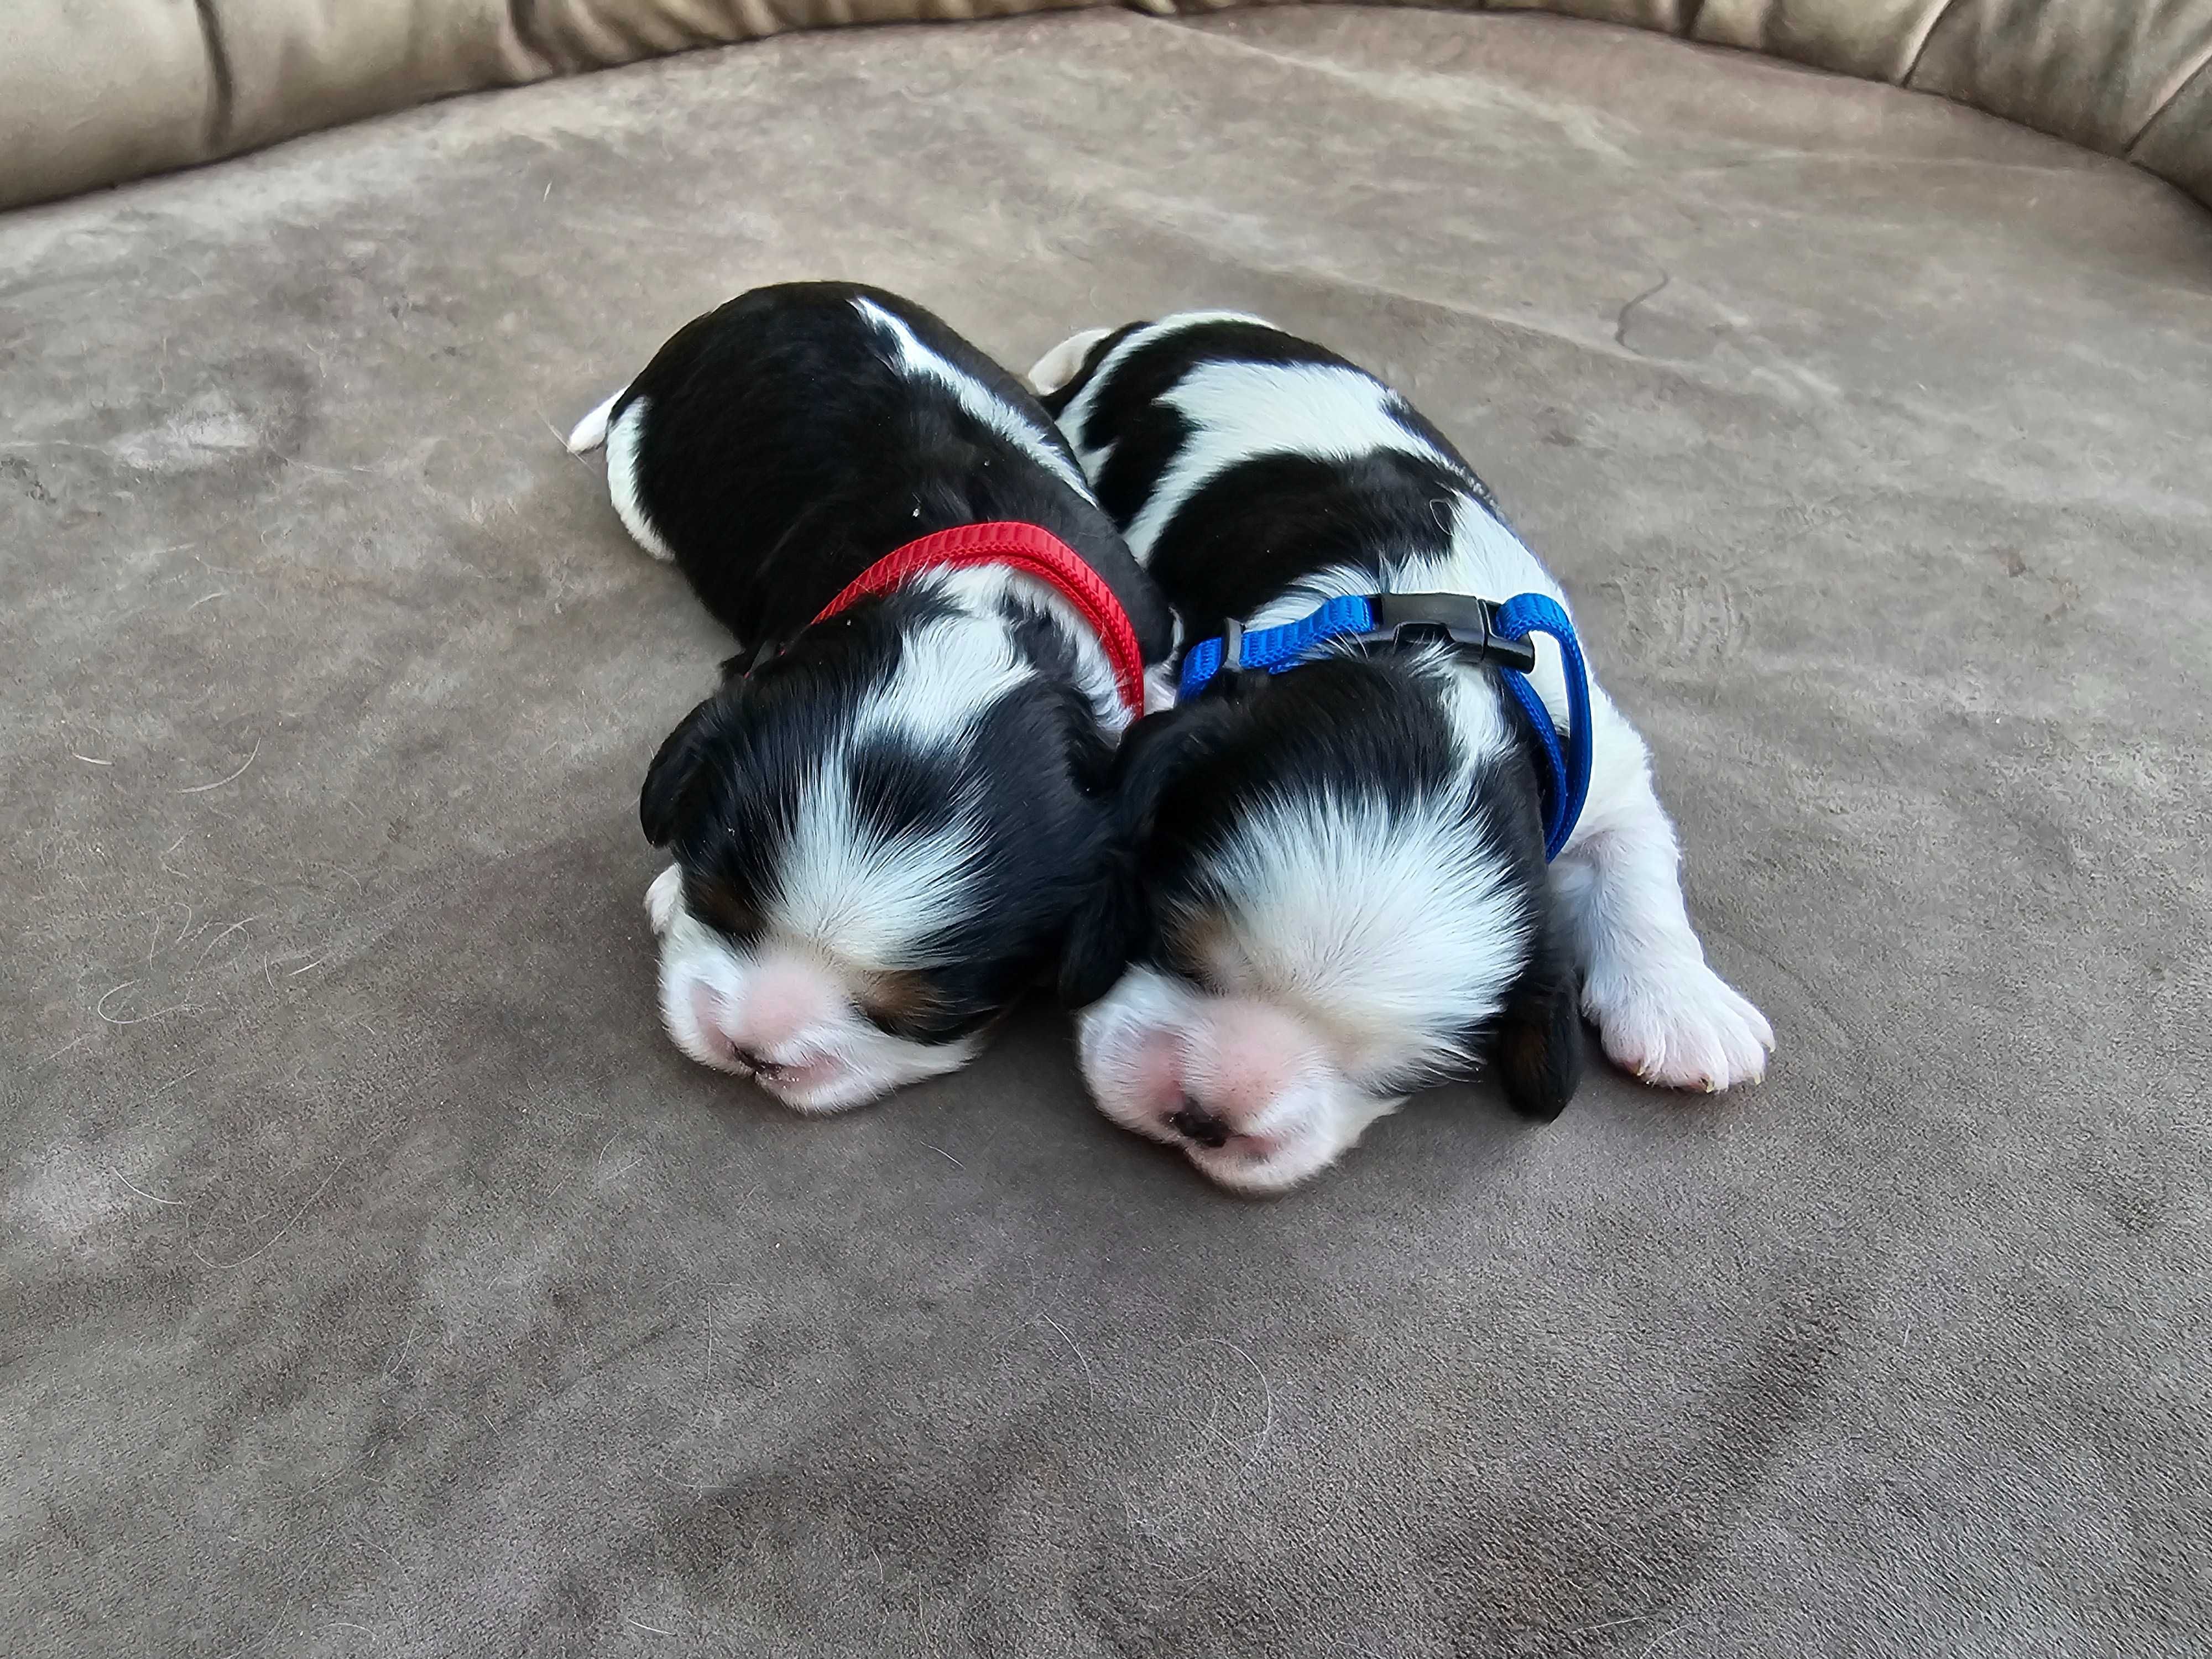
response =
{"points": [[621, 435], [1660, 1009]]}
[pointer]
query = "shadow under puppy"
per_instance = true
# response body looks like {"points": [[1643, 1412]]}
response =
{"points": [[882, 820], [1336, 887]]}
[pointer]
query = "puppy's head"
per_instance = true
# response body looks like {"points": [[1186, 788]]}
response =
{"points": [[877, 840], [1329, 890]]}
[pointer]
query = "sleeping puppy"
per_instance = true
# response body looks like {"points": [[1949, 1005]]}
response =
{"points": [[879, 825], [1335, 889]]}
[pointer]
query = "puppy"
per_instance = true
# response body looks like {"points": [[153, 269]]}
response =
{"points": [[1336, 889], [880, 823]]}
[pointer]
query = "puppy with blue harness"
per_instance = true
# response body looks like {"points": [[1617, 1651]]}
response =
{"points": [[1392, 834]]}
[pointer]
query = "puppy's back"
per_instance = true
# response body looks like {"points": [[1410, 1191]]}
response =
{"points": [[778, 445]]}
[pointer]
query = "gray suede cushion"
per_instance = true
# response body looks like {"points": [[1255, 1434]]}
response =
{"points": [[95, 92], [378, 1281]]}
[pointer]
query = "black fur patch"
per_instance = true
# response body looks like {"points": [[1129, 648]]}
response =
{"points": [[783, 454]]}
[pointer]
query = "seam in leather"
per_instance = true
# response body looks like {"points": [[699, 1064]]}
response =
{"points": [[2190, 78], [222, 87], [1920, 46], [529, 31]]}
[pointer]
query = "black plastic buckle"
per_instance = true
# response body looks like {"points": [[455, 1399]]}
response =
{"points": [[1454, 619]]}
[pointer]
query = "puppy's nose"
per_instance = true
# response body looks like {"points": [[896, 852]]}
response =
{"points": [[1194, 1122]]}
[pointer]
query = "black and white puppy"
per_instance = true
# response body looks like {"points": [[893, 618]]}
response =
{"points": [[881, 822], [1336, 890]]}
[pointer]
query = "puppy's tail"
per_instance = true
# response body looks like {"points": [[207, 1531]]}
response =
{"points": [[592, 431], [1064, 362]]}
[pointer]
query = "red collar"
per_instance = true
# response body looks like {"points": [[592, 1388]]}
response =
{"points": [[1034, 552]]}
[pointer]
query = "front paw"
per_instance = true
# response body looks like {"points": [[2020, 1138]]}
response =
{"points": [[664, 900], [1679, 1028]]}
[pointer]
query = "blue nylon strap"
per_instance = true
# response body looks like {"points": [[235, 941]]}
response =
{"points": [[1535, 613], [1272, 650]]}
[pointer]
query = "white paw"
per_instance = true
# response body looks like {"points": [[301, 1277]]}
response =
{"points": [[1680, 1028], [664, 900]]}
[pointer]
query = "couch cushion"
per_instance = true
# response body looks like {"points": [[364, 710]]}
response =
{"points": [[93, 96], [92, 92]]}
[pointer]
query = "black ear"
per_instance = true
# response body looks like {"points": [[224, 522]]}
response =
{"points": [[1112, 923], [1538, 1053], [1106, 932], [659, 803]]}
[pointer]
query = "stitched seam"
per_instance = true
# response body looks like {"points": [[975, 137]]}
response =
{"points": [[2168, 102], [222, 89]]}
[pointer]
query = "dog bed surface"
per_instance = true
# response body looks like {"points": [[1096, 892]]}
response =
{"points": [[380, 1281]]}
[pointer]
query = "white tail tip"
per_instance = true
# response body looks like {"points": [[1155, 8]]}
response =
{"points": [[592, 431], [1064, 362]]}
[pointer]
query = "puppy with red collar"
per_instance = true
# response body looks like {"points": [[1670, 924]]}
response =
{"points": [[1392, 831], [880, 823]]}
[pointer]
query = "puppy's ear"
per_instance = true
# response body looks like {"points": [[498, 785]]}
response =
{"points": [[1111, 923], [660, 803], [1538, 1052]]}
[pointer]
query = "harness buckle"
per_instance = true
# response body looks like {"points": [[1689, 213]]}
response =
{"points": [[1466, 624]]}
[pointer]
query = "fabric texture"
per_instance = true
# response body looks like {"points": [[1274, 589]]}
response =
{"points": [[380, 1281], [96, 92]]}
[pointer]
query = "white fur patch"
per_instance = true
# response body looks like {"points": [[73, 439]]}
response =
{"points": [[1242, 411], [664, 899], [917, 359], [1074, 418], [873, 897], [949, 672], [623, 438], [1388, 929]]}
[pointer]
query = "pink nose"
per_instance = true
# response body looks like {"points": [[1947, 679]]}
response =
{"points": [[1248, 1056], [783, 1000]]}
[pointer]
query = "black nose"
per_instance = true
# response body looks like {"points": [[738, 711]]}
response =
{"points": [[1194, 1122]]}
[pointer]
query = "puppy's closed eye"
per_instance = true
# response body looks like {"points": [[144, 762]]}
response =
{"points": [[899, 1000], [721, 907]]}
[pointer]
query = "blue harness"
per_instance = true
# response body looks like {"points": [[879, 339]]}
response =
{"points": [[1479, 629]]}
